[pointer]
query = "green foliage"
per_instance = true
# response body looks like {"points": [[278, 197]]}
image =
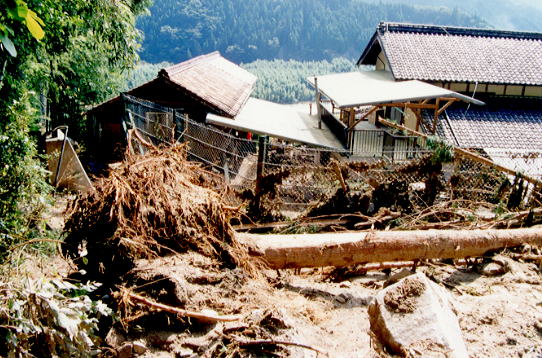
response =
{"points": [[286, 81], [89, 46], [247, 30], [18, 11], [442, 152], [23, 186], [79, 61], [49, 318]]}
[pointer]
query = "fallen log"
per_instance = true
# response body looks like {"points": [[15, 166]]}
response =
{"points": [[352, 248]]}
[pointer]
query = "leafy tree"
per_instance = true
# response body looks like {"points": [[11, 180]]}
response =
{"points": [[18, 11], [56, 58]]}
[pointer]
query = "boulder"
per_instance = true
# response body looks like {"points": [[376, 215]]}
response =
{"points": [[413, 317], [493, 269]]}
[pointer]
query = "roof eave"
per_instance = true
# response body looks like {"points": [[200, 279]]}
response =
{"points": [[117, 98], [410, 99]]}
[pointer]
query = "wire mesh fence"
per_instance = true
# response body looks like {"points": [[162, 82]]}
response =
{"points": [[298, 177]]}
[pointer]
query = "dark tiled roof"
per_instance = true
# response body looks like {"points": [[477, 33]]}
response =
{"points": [[502, 124], [215, 80], [438, 53]]}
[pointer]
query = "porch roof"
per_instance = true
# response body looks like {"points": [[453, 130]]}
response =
{"points": [[354, 89], [288, 122]]}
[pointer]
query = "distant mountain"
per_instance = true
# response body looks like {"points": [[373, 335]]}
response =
{"points": [[247, 30], [523, 15]]}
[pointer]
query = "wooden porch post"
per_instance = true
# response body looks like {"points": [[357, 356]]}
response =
{"points": [[435, 117], [318, 98]]}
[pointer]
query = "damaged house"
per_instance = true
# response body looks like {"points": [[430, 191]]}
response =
{"points": [[205, 84]]}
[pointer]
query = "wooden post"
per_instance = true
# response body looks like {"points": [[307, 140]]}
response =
{"points": [[339, 174], [435, 117], [351, 117], [262, 154], [318, 98], [418, 115]]}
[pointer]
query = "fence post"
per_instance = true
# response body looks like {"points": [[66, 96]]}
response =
{"points": [[262, 154]]}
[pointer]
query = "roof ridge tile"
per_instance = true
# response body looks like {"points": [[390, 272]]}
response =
{"points": [[455, 30]]}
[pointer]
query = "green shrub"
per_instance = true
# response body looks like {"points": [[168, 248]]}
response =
{"points": [[52, 318], [23, 186]]}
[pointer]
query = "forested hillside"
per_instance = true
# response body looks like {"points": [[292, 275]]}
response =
{"points": [[142, 73], [521, 15], [247, 30], [285, 81]]}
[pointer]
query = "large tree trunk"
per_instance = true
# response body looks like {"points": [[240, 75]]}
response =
{"points": [[345, 249]]}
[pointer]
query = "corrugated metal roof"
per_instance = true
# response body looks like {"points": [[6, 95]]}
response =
{"points": [[439, 53], [353, 89], [502, 124], [289, 122], [215, 80]]}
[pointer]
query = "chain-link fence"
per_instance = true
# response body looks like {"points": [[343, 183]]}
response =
{"points": [[297, 177]]}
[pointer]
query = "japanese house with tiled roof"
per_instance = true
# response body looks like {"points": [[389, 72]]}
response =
{"points": [[205, 84], [501, 68]]}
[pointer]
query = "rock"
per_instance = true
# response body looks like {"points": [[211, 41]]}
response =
{"points": [[413, 317], [275, 318], [499, 266], [493, 269], [507, 263], [125, 351], [183, 352], [396, 277], [139, 348], [114, 338]]}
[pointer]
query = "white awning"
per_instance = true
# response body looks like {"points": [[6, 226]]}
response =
{"points": [[353, 89], [288, 122]]}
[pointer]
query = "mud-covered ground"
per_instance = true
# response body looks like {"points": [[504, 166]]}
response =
{"points": [[500, 316]]}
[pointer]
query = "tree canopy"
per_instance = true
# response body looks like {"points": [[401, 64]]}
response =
{"points": [[247, 30], [56, 57]]}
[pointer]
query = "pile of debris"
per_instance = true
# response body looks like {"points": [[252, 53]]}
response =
{"points": [[147, 207], [184, 282], [161, 242]]}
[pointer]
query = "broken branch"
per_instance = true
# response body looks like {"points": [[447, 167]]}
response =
{"points": [[275, 342], [198, 315]]}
